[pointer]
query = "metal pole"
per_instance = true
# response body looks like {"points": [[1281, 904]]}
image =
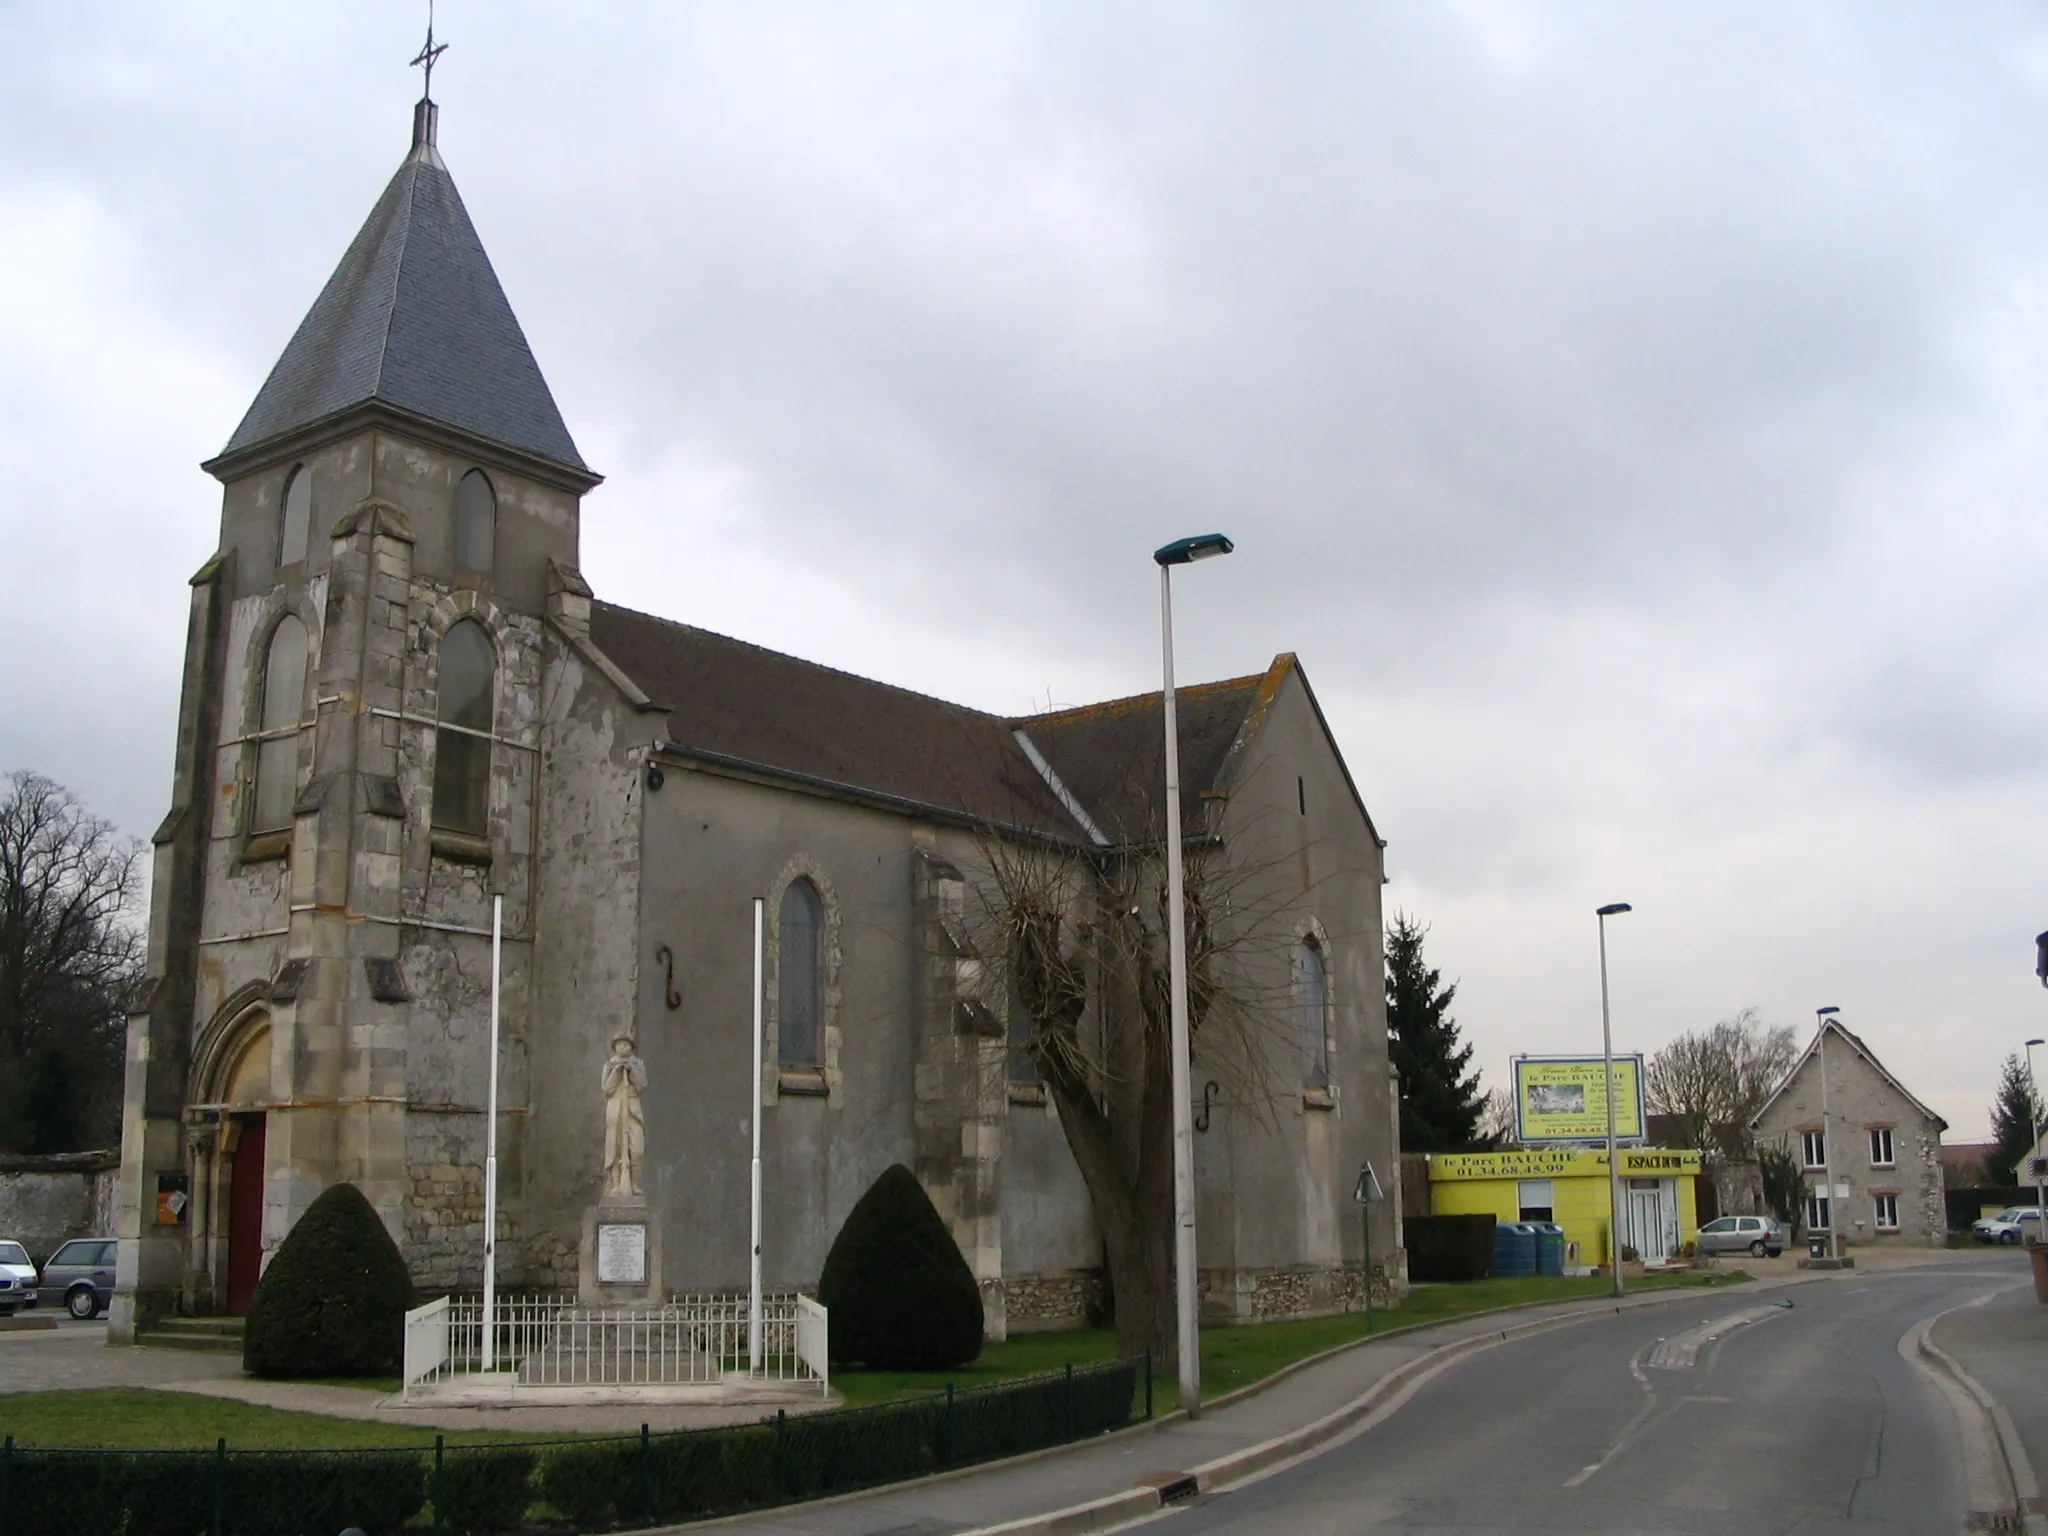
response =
{"points": [[1613, 1158], [1827, 1148], [2040, 1185], [754, 1247], [1365, 1214], [1184, 1277], [490, 1317]]}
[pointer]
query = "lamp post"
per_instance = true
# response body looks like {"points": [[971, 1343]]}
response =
{"points": [[2040, 1185], [1607, 1057], [1827, 1136], [1180, 552]]}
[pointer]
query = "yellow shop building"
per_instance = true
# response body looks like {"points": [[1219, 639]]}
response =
{"points": [[1569, 1187]]}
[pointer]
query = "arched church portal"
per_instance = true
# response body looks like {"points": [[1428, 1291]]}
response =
{"points": [[239, 1177]]}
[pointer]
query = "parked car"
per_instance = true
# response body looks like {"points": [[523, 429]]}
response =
{"points": [[1761, 1235], [2016, 1223], [17, 1279], [81, 1276]]}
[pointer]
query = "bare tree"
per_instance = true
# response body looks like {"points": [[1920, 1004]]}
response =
{"points": [[70, 955], [1497, 1120], [1716, 1080], [1080, 940], [1784, 1183]]}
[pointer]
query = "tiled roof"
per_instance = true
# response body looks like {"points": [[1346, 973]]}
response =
{"points": [[1855, 1043], [1113, 756], [414, 317], [749, 705]]}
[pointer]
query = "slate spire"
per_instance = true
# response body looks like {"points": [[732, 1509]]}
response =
{"points": [[413, 319]]}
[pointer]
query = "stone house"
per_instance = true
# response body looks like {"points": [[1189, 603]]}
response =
{"points": [[1887, 1144], [404, 711]]}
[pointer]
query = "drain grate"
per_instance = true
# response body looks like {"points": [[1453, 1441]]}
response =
{"points": [[1996, 1520]]}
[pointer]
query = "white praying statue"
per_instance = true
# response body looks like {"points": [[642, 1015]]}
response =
{"points": [[625, 1127]]}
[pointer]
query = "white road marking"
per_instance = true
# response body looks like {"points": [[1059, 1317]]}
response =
{"points": [[1681, 1351]]}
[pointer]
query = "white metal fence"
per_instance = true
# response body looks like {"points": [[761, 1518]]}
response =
{"points": [[556, 1341]]}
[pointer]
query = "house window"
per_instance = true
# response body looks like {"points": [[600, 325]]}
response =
{"points": [[462, 741], [1881, 1147], [1024, 1071], [476, 521], [1817, 1212], [798, 990], [1887, 1208], [277, 749], [295, 522], [1813, 1146], [1535, 1199], [1312, 1010]]}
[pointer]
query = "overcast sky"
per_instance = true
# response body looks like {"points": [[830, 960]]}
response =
{"points": [[1632, 415]]}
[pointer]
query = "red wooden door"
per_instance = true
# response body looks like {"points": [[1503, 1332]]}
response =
{"points": [[245, 1218]]}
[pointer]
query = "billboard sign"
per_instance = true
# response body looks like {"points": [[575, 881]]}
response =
{"points": [[1564, 1098]]}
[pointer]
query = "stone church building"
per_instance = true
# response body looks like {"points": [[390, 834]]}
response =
{"points": [[401, 700]]}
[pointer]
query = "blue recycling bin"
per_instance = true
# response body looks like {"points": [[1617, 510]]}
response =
{"points": [[1514, 1249], [1549, 1247]]}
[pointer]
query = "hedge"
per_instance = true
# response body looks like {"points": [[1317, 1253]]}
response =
{"points": [[591, 1484], [333, 1300], [900, 1294], [1449, 1247]]}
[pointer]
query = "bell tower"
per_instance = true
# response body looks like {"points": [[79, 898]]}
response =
{"points": [[357, 765]]}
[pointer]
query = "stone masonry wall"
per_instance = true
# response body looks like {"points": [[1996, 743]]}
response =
{"points": [[444, 1222], [1858, 1098]]}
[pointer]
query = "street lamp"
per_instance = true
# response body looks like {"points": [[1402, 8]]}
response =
{"points": [[1180, 552], [1607, 1056], [1827, 1135], [2040, 1184]]}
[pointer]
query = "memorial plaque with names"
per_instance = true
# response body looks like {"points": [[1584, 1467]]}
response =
{"points": [[621, 1253]]}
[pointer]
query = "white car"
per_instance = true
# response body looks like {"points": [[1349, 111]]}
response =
{"points": [[17, 1279], [2016, 1223]]}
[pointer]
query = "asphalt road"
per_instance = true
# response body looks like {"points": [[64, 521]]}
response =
{"points": [[1733, 1414]]}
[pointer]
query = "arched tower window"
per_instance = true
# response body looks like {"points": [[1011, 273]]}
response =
{"points": [[1312, 1011], [462, 742], [277, 749], [295, 523], [476, 521], [799, 988]]}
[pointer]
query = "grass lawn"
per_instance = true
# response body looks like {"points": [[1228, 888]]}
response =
{"points": [[1237, 1355], [137, 1419], [1232, 1357]]}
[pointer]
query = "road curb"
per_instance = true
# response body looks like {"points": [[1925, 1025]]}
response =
{"points": [[2018, 1465], [1130, 1504]]}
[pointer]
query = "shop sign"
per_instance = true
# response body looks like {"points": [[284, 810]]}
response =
{"points": [[1564, 1098]]}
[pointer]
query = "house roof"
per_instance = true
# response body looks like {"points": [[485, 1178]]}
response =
{"points": [[1861, 1050], [414, 318], [744, 704]]}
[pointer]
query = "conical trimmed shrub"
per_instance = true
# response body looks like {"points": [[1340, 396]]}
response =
{"points": [[334, 1299], [898, 1295]]}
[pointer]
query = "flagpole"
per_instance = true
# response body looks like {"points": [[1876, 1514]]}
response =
{"points": [[754, 1088], [491, 1142]]}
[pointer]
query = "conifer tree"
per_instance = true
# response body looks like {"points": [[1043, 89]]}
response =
{"points": [[2015, 1112], [1441, 1103]]}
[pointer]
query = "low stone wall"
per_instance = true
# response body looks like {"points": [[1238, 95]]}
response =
{"points": [[1052, 1303], [1074, 1298], [47, 1201], [1271, 1295]]}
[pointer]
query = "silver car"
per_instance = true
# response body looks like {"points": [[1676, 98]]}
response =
{"points": [[2016, 1223], [17, 1279], [1761, 1235], [81, 1276]]}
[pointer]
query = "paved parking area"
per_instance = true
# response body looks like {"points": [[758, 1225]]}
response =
{"points": [[76, 1355]]}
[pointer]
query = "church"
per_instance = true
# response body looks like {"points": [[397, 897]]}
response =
{"points": [[404, 710]]}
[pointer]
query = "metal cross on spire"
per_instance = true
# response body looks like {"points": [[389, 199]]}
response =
{"points": [[428, 53]]}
